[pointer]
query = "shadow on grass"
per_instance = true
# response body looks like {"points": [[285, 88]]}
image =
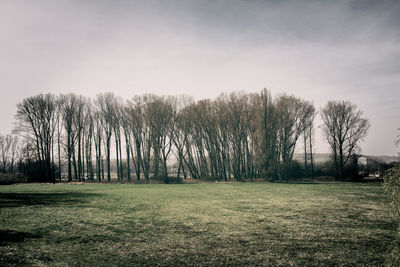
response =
{"points": [[8, 237], [10, 200], [11, 236]]}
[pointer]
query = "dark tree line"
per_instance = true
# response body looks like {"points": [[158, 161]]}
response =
{"points": [[235, 136]]}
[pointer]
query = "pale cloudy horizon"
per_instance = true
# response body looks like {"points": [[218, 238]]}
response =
{"points": [[316, 50]]}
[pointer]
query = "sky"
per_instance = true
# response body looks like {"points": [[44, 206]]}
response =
{"points": [[315, 50]]}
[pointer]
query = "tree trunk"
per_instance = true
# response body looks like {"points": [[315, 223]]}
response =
{"points": [[79, 157], [128, 166], [138, 158], [69, 152], [311, 154], [305, 155], [59, 155], [108, 159], [121, 165], [116, 151]]}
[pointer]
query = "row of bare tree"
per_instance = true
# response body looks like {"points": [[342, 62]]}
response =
{"points": [[236, 136]]}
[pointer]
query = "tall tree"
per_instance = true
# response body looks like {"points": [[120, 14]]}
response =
{"points": [[5, 145], [293, 114], [36, 117], [106, 106], [140, 131], [308, 125], [344, 127], [159, 114], [70, 116], [264, 133], [124, 109], [13, 153], [88, 139], [308, 136], [59, 123], [98, 137]]}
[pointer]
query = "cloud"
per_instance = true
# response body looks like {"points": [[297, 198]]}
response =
{"points": [[318, 50]]}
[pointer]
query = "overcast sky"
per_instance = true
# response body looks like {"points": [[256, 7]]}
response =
{"points": [[316, 50]]}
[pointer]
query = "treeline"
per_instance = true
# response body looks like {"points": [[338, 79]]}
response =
{"points": [[235, 136]]}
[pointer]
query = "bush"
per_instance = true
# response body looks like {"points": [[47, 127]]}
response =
{"points": [[210, 178], [392, 187], [6, 178], [173, 180], [296, 170], [393, 256]]}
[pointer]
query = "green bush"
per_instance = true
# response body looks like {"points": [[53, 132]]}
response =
{"points": [[392, 187], [392, 258]]}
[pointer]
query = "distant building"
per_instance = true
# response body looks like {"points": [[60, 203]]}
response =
{"points": [[362, 161]]}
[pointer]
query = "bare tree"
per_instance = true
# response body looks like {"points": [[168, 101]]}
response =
{"points": [[116, 123], [159, 113], [168, 120], [308, 125], [13, 153], [186, 128], [179, 133], [36, 118], [264, 134], [195, 118], [5, 144], [70, 118], [344, 127], [124, 109], [141, 137], [308, 134], [223, 145], [236, 115], [59, 123], [293, 114], [97, 136], [89, 138], [80, 122], [106, 106]]}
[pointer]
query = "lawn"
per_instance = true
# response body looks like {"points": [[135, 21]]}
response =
{"points": [[274, 224]]}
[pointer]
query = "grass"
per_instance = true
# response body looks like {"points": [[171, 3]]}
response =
{"points": [[195, 224]]}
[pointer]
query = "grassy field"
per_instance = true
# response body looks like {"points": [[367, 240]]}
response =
{"points": [[195, 224]]}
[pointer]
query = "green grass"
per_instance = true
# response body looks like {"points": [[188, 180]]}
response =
{"points": [[195, 224]]}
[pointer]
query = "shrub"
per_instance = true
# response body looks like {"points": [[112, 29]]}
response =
{"points": [[392, 187], [6, 178]]}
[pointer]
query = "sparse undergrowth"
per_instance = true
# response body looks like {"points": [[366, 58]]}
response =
{"points": [[195, 224]]}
